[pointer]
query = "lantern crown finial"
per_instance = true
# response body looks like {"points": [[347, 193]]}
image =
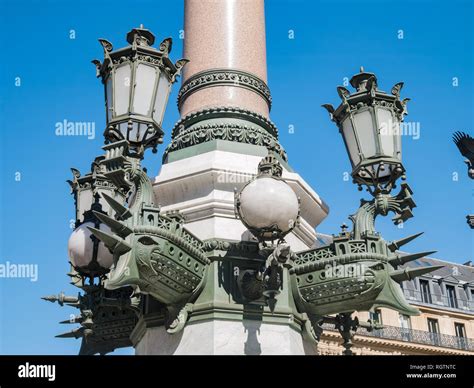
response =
{"points": [[141, 36], [270, 165], [359, 80]]}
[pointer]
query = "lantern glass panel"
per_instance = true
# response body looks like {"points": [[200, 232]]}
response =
{"points": [[104, 204], [145, 80], [365, 132], [109, 98], [350, 140], [134, 134], [161, 98], [138, 132], [398, 145], [388, 130], [382, 173], [122, 89], [123, 128], [85, 200]]}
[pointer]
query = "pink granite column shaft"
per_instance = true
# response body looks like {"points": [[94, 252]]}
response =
{"points": [[225, 34]]}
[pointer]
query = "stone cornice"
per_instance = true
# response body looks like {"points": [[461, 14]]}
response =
{"points": [[441, 310], [392, 344], [224, 77], [229, 312]]}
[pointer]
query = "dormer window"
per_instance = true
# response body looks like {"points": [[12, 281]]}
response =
{"points": [[451, 295], [425, 291]]}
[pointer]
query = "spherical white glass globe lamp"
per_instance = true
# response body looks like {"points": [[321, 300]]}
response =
{"points": [[268, 207], [81, 250]]}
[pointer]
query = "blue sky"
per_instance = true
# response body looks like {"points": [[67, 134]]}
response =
{"points": [[332, 39]]}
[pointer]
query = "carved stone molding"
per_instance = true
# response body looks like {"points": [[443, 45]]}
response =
{"points": [[225, 131], [220, 112], [225, 123], [224, 77]]}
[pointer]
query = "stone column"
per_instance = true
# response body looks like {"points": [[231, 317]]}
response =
{"points": [[223, 133], [225, 43]]}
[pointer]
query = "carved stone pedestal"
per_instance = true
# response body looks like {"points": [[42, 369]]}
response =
{"points": [[219, 337]]}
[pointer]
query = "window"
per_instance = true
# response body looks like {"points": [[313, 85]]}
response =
{"points": [[470, 303], [404, 321], [460, 334], [405, 326], [375, 316], [425, 291], [451, 294], [467, 291], [460, 330], [433, 328]]}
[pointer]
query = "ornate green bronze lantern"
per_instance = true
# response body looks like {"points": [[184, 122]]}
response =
{"points": [[89, 256], [359, 270], [369, 122], [137, 81]]}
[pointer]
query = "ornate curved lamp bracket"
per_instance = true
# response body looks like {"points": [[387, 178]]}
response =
{"points": [[401, 204], [357, 271], [153, 252]]}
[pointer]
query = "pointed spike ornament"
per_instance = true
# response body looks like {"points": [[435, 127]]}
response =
{"points": [[114, 243], [50, 298], [394, 245], [411, 273], [122, 212], [76, 333], [400, 260], [116, 226], [76, 319]]}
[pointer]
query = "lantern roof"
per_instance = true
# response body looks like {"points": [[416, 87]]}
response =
{"points": [[141, 41], [367, 93]]}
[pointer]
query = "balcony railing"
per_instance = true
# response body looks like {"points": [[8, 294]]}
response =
{"points": [[462, 304], [415, 336]]}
